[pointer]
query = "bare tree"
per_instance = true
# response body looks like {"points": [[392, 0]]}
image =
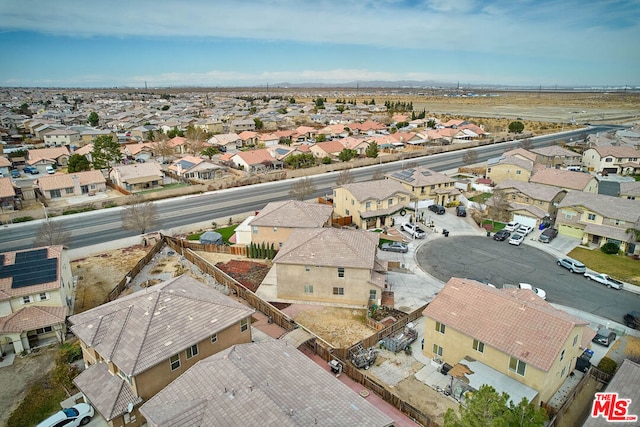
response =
{"points": [[470, 157], [139, 215], [499, 205], [51, 233], [345, 177], [161, 147], [302, 189]]}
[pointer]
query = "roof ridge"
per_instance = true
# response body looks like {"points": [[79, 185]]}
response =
{"points": [[146, 330], [115, 344]]}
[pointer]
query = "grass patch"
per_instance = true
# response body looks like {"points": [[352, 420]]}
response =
{"points": [[497, 226], [195, 236], [165, 187], [480, 198], [618, 266], [42, 400], [227, 232], [23, 219], [78, 210]]}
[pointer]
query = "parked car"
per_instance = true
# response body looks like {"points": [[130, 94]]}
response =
{"points": [[524, 230], [31, 169], [502, 235], [461, 211], [77, 415], [512, 226], [50, 170], [604, 337], [605, 279], [572, 265], [632, 319], [483, 281], [15, 173], [539, 292], [439, 209], [548, 235], [395, 247], [583, 363], [413, 229], [516, 239]]}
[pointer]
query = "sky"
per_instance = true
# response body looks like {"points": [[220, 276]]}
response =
{"points": [[214, 43]]}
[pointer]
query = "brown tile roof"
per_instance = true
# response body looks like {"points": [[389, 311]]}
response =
{"points": [[516, 322], [9, 258], [58, 181], [331, 147], [617, 151], [376, 190], [4, 162], [255, 157], [521, 152], [293, 214], [555, 150], [420, 176], [139, 170], [30, 318], [607, 206], [52, 153], [140, 330], [562, 178], [329, 247], [267, 383], [533, 190], [6, 188]]}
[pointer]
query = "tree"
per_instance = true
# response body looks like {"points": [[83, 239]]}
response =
{"points": [[94, 119], [150, 135], [431, 123], [78, 163], [372, 150], [321, 137], [259, 123], [175, 132], [347, 154], [470, 157], [209, 152], [526, 144], [516, 127], [345, 177], [106, 152], [139, 216], [51, 233], [499, 205], [196, 137], [302, 189], [487, 408]]}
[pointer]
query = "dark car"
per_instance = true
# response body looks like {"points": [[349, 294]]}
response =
{"points": [[15, 173], [548, 235], [31, 169], [439, 209], [395, 247], [461, 211], [501, 235], [632, 319], [604, 337], [583, 362]]}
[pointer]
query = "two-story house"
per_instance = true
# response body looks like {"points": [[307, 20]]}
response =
{"points": [[529, 203], [62, 137], [275, 223], [497, 336], [427, 184], [36, 291], [509, 167], [612, 159], [630, 190], [42, 157], [566, 179], [597, 219], [137, 176], [557, 157], [136, 345], [328, 265], [72, 184], [226, 142], [372, 204]]}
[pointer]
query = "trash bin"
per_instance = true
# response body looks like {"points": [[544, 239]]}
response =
{"points": [[446, 233], [488, 233]]}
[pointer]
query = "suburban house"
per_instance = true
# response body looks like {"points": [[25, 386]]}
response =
{"points": [[327, 149], [598, 219], [557, 157], [226, 142], [328, 265], [630, 190], [87, 136], [196, 168], [522, 153], [566, 179], [249, 138], [72, 184], [36, 293], [494, 336], [136, 345], [62, 137], [427, 184], [137, 177], [8, 195], [178, 145], [266, 383], [372, 204], [527, 203], [509, 167], [5, 166], [42, 157], [241, 125], [275, 223], [259, 160], [612, 159]]}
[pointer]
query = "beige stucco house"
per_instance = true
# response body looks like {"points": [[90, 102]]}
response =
{"points": [[427, 184], [36, 291], [557, 157], [612, 159], [135, 346], [62, 137], [372, 204], [511, 333], [72, 184], [137, 176], [509, 167], [566, 179]]}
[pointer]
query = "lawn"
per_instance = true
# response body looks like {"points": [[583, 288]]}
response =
{"points": [[480, 198], [225, 232], [165, 187], [618, 266]]}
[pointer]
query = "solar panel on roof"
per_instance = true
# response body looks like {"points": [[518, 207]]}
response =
{"points": [[31, 268], [426, 173], [410, 179], [185, 164]]}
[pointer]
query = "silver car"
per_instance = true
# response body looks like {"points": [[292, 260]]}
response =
{"points": [[572, 265]]}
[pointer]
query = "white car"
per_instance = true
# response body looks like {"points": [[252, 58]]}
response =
{"points": [[542, 294], [77, 415], [516, 239], [605, 279], [524, 230], [512, 226], [413, 229]]}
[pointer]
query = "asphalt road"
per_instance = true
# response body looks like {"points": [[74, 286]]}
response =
{"points": [[500, 263], [105, 225]]}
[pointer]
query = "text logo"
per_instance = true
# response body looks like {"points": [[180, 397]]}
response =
{"points": [[612, 408]]}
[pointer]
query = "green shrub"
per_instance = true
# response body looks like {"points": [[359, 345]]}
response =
{"points": [[78, 210], [608, 365], [110, 205], [69, 352], [610, 248], [326, 160], [23, 219]]}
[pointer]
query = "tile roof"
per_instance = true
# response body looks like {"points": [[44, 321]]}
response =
{"points": [[4, 162], [330, 247], [6, 188], [607, 206], [293, 214], [555, 150], [58, 181], [255, 157], [32, 317], [514, 321], [145, 328], [562, 178], [267, 383], [533, 190], [616, 151], [138, 170], [52, 153], [420, 176], [521, 152], [511, 160], [376, 190], [45, 278], [331, 147], [629, 188]]}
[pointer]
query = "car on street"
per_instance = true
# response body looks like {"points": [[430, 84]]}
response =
{"points": [[502, 235], [461, 211], [604, 337], [548, 235], [413, 229], [483, 281], [632, 319], [15, 173], [572, 265], [512, 226], [539, 292], [516, 239], [395, 247], [439, 209], [77, 415], [524, 229], [31, 169], [605, 279]]}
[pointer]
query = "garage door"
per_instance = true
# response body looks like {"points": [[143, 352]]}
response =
{"points": [[610, 170], [525, 220]]}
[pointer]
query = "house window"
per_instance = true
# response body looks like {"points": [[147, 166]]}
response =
{"points": [[192, 351], [27, 299], [562, 355], [575, 340], [368, 205], [564, 369], [346, 211], [478, 346], [608, 160], [340, 271], [308, 289], [55, 194], [175, 362], [592, 217], [517, 366], [433, 187], [518, 172], [307, 268], [488, 170], [44, 296], [244, 325], [254, 229], [44, 330], [338, 291], [437, 350], [440, 327], [68, 190], [390, 202], [372, 294], [618, 222], [352, 202], [214, 338]]}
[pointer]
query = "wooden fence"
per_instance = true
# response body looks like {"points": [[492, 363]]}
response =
{"points": [[220, 249], [556, 414]]}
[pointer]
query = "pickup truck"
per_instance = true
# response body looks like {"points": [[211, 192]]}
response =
{"points": [[542, 294], [605, 279], [413, 229]]}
